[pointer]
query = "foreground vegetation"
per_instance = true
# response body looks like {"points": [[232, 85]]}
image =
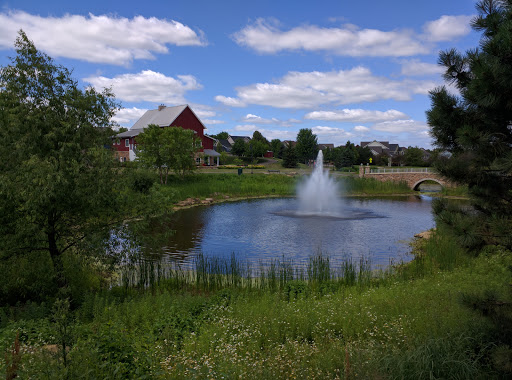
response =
{"points": [[412, 321]]}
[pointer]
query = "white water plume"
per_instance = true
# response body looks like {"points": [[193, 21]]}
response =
{"points": [[319, 194]]}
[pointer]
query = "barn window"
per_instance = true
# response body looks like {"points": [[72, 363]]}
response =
{"points": [[127, 142]]}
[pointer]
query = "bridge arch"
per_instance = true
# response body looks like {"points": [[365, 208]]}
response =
{"points": [[415, 185]]}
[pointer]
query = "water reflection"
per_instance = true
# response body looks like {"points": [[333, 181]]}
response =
{"points": [[257, 231]]}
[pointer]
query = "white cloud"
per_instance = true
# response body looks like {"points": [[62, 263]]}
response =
{"points": [[265, 36], [213, 122], [361, 129], [103, 39], [400, 126], [148, 86], [202, 112], [415, 67], [128, 116], [228, 101], [327, 131], [356, 115], [250, 118], [305, 90], [246, 127], [331, 135], [447, 28]]}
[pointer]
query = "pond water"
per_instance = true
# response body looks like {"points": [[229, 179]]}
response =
{"points": [[256, 231]]}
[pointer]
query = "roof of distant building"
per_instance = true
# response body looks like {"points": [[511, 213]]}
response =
{"points": [[325, 146], [163, 116]]}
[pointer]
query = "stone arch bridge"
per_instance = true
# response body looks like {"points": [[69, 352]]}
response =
{"points": [[413, 176]]}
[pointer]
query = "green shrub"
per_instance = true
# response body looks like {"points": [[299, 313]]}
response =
{"points": [[141, 180]]}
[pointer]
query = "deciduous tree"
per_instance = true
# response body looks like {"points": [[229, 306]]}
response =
{"points": [[239, 148], [413, 156], [57, 177], [307, 145], [171, 148], [277, 147]]}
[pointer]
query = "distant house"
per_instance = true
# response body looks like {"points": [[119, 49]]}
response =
{"points": [[125, 143], [382, 147], [232, 139], [227, 144], [323, 147], [289, 143]]}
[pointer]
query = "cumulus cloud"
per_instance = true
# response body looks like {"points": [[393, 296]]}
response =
{"points": [[329, 131], [361, 129], [447, 28], [128, 116], [246, 127], [304, 90], [102, 39], [250, 118], [203, 112], [336, 136], [148, 86], [415, 67], [228, 101], [400, 126], [356, 115], [265, 36], [213, 122]]}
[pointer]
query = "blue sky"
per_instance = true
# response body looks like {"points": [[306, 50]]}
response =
{"points": [[349, 70]]}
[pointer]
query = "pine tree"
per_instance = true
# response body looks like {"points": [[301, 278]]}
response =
{"points": [[474, 126], [290, 159]]}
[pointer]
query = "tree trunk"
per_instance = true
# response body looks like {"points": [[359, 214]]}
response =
{"points": [[56, 256]]}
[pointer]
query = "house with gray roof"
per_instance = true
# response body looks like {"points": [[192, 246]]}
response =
{"points": [[125, 143]]}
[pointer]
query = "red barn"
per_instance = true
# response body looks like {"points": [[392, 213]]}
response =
{"points": [[125, 143]]}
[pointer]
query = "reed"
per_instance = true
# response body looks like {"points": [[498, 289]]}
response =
{"points": [[209, 274]]}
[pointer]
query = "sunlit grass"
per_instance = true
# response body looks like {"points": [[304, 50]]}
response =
{"points": [[233, 185], [356, 185]]}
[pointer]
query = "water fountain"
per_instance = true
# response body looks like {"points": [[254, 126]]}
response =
{"points": [[319, 194]]}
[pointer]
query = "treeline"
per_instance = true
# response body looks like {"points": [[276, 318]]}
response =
{"points": [[305, 150]]}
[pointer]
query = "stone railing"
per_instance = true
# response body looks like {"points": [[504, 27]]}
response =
{"points": [[401, 170]]}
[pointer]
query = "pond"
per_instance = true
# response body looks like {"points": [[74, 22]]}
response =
{"points": [[256, 231]]}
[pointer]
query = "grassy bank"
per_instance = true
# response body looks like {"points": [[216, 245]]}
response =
{"points": [[233, 185], [408, 323], [248, 185]]}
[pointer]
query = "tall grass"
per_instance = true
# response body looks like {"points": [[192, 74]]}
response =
{"points": [[206, 273], [438, 253], [233, 185], [224, 318], [458, 191], [356, 185]]}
